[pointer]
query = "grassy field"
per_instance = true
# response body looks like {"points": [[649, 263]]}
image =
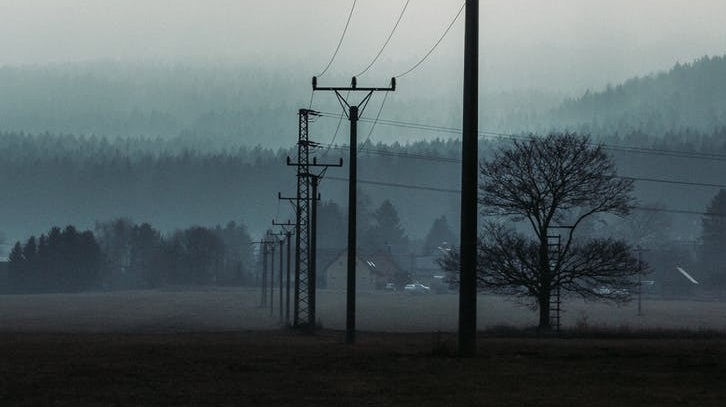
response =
{"points": [[283, 368], [215, 309], [218, 347]]}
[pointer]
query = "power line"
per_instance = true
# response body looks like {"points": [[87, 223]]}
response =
{"points": [[458, 191], [339, 42], [373, 126], [611, 147], [685, 183], [400, 185], [451, 160], [387, 40], [435, 45], [688, 212]]}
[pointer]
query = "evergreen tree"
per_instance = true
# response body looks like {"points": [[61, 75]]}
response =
{"points": [[713, 240], [439, 235], [386, 232], [16, 268], [332, 222]]}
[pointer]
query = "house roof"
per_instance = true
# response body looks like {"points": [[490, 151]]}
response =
{"points": [[381, 262]]}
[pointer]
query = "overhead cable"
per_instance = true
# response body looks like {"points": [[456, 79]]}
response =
{"points": [[387, 40], [435, 45], [340, 41], [611, 147], [458, 191]]}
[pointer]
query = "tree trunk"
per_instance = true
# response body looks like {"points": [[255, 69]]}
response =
{"points": [[545, 286], [544, 310]]}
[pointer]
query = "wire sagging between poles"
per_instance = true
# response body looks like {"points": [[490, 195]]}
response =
{"points": [[435, 45], [341, 40], [380, 109], [387, 40]]}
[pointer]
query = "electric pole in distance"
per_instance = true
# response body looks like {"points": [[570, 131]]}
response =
{"points": [[288, 236], [353, 113], [263, 253], [282, 243], [469, 183]]}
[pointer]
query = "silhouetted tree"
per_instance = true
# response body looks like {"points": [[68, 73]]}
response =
{"points": [[146, 252], [16, 268], [196, 256], [115, 239], [237, 257], [546, 182], [648, 227], [66, 261], [331, 226]]}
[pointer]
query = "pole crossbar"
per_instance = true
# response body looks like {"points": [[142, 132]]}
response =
{"points": [[353, 86]]}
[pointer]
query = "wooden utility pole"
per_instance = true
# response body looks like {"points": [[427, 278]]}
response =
{"points": [[288, 236], [353, 112], [280, 280], [469, 183]]}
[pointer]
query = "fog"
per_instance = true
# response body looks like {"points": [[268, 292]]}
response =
{"points": [[564, 46], [177, 117], [184, 310]]}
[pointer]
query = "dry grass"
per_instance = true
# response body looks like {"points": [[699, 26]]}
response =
{"points": [[283, 368], [214, 309], [217, 347]]}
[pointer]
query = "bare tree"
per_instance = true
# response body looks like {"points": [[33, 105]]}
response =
{"points": [[549, 183]]}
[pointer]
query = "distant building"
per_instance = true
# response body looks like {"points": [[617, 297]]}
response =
{"points": [[373, 272]]}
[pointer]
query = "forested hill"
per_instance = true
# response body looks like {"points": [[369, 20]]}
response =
{"points": [[688, 96], [221, 103], [49, 180]]}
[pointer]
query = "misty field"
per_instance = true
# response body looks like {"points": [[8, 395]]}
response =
{"points": [[215, 309], [218, 347]]}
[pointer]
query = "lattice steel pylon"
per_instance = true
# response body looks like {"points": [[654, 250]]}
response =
{"points": [[554, 247], [302, 229]]}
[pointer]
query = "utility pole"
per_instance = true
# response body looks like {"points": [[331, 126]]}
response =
{"points": [[263, 252], [304, 310], [282, 242], [469, 183], [640, 281], [311, 230], [272, 273], [288, 236], [353, 113]]}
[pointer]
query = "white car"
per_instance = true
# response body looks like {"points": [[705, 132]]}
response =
{"points": [[604, 290], [416, 288]]}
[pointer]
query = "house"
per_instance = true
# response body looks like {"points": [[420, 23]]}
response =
{"points": [[373, 272]]}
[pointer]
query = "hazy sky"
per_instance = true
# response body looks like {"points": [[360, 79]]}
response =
{"points": [[567, 45]]}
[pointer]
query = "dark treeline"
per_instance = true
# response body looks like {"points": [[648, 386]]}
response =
{"points": [[124, 255], [116, 99], [188, 177], [65, 261], [67, 180], [71, 180]]}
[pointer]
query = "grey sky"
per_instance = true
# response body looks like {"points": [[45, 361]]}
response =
{"points": [[565, 45]]}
